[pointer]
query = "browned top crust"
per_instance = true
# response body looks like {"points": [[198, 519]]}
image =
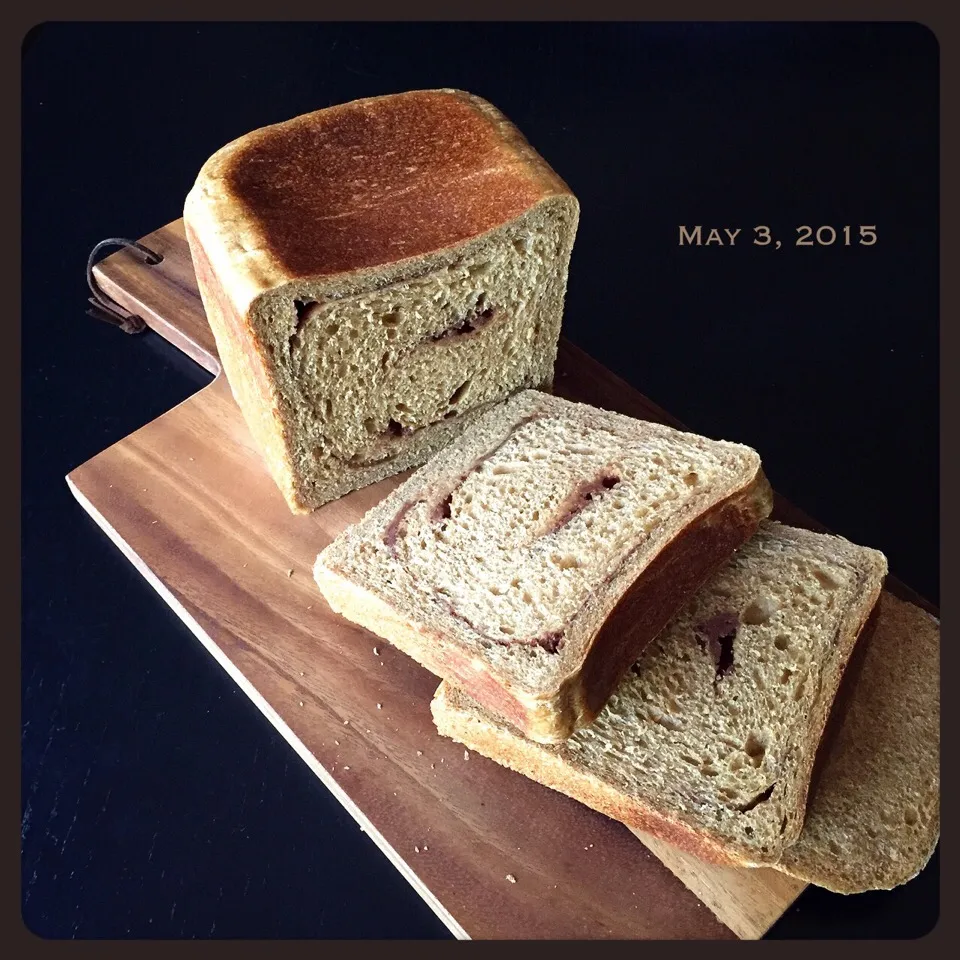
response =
{"points": [[383, 179]]}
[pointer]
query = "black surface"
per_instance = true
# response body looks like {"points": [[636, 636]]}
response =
{"points": [[157, 801]]}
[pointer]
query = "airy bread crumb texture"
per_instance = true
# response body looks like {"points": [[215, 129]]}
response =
{"points": [[711, 737], [502, 542], [373, 383]]}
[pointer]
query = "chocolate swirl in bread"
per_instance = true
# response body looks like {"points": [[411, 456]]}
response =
{"points": [[532, 560]]}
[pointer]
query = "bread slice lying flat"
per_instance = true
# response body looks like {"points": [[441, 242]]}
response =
{"points": [[873, 817], [709, 741], [376, 274], [533, 559]]}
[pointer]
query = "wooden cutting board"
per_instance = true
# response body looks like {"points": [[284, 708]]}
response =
{"points": [[188, 501]]}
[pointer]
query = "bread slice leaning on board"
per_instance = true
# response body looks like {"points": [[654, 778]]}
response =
{"points": [[377, 274], [532, 560], [709, 742], [873, 818]]}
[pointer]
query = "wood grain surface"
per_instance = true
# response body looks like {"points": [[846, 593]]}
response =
{"points": [[188, 501]]}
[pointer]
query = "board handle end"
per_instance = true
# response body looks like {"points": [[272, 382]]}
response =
{"points": [[102, 307]]}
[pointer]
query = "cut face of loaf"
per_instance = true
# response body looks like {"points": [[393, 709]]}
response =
{"points": [[873, 818], [709, 741], [373, 382], [532, 560], [377, 275]]}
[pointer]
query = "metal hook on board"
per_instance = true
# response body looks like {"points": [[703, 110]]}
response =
{"points": [[103, 307]]}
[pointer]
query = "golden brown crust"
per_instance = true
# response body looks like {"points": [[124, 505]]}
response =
{"points": [[380, 180], [242, 357], [340, 202]]}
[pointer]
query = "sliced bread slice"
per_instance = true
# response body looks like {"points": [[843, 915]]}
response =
{"points": [[873, 817], [532, 560], [709, 741]]}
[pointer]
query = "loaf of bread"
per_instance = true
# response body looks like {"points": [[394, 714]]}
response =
{"points": [[873, 818], [377, 274], [709, 741], [532, 560]]}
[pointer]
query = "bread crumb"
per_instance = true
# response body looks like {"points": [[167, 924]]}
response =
{"points": [[289, 573], [416, 849], [346, 768], [466, 754], [425, 848], [154, 521], [337, 742], [301, 673], [381, 663], [433, 766], [419, 753], [511, 878], [379, 706], [376, 652], [301, 703], [345, 722], [191, 458]]}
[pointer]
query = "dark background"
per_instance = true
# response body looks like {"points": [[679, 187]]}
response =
{"points": [[157, 801]]}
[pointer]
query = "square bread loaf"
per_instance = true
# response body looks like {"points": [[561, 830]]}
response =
{"points": [[377, 274], [531, 561], [709, 742]]}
